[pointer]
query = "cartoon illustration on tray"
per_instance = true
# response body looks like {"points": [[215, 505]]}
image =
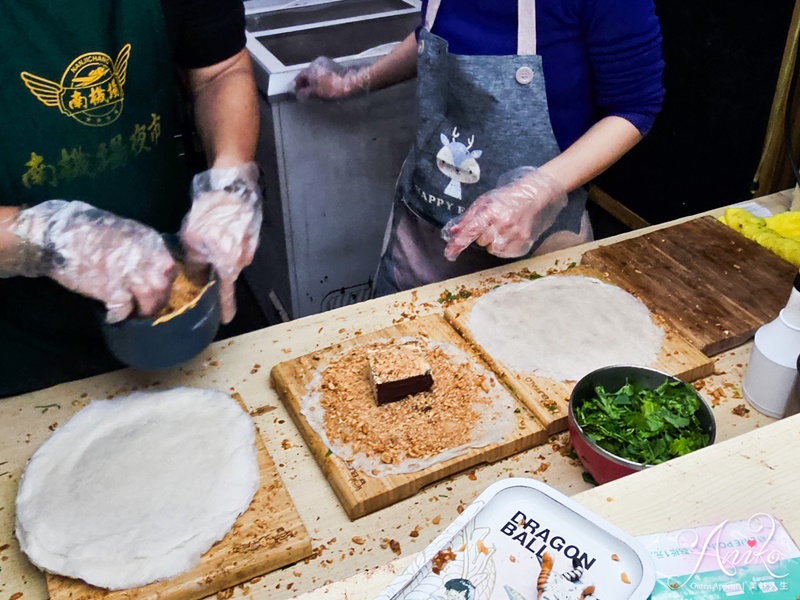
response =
{"points": [[457, 162], [552, 585], [459, 589], [469, 561], [566, 586]]}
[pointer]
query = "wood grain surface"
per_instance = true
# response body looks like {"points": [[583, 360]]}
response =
{"points": [[267, 536], [359, 493], [711, 284], [548, 399]]}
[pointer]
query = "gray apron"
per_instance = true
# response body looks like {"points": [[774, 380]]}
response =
{"points": [[479, 118]]}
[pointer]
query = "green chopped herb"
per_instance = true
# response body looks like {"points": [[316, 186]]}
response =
{"points": [[328, 453], [572, 265], [643, 425], [448, 296], [518, 410], [588, 478], [534, 275]]}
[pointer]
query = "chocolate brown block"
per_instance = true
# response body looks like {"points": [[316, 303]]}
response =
{"points": [[396, 372]]}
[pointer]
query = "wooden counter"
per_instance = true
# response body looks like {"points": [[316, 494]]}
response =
{"points": [[734, 480], [726, 481]]}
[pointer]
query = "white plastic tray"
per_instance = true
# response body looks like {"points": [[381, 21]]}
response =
{"points": [[496, 541]]}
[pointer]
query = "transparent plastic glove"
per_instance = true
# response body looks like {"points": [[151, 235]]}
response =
{"points": [[122, 263], [328, 80], [223, 226], [510, 218]]}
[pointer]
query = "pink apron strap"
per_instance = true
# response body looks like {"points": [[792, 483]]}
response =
{"points": [[430, 13], [526, 27]]}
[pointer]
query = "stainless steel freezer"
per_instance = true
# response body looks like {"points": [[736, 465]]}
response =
{"points": [[330, 167]]}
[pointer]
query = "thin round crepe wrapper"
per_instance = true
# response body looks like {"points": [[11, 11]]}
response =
{"points": [[134, 490]]}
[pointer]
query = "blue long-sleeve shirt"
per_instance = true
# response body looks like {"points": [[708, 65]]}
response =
{"points": [[600, 57]]}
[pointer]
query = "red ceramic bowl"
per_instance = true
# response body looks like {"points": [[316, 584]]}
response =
{"points": [[599, 462]]}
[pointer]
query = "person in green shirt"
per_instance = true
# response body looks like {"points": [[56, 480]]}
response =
{"points": [[91, 173]]}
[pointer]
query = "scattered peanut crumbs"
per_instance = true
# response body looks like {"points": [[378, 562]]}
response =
{"points": [[624, 577], [257, 412], [482, 548], [542, 468], [441, 559], [740, 410]]}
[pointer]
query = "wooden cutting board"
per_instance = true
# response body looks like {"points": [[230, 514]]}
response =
{"points": [[548, 399], [360, 493], [267, 536], [711, 284]]}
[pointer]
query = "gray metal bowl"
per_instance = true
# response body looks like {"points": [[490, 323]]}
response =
{"points": [[144, 344], [599, 462]]}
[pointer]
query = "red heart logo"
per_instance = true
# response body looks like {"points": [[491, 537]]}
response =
{"points": [[751, 543]]}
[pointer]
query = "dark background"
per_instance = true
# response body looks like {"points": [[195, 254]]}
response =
{"points": [[722, 63]]}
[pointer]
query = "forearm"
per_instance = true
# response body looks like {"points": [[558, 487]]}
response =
{"points": [[399, 65], [9, 243], [8, 216], [594, 152], [226, 110]]}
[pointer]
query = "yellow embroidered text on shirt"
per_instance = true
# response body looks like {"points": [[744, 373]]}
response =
{"points": [[77, 162]]}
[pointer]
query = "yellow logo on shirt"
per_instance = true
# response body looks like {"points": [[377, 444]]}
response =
{"points": [[91, 88]]}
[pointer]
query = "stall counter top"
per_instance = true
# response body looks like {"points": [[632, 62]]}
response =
{"points": [[690, 493], [752, 473]]}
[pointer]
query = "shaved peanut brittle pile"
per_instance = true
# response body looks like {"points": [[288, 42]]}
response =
{"points": [[398, 371], [397, 362], [419, 426], [183, 292]]}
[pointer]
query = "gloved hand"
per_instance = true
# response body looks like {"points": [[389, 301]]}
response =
{"points": [[120, 262], [510, 218], [223, 226], [328, 80]]}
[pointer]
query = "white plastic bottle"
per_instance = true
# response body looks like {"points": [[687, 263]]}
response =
{"points": [[794, 403], [770, 378]]}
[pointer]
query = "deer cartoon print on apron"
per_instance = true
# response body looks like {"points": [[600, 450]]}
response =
{"points": [[457, 162], [479, 118]]}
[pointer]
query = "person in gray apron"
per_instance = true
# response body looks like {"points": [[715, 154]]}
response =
{"points": [[485, 166]]}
